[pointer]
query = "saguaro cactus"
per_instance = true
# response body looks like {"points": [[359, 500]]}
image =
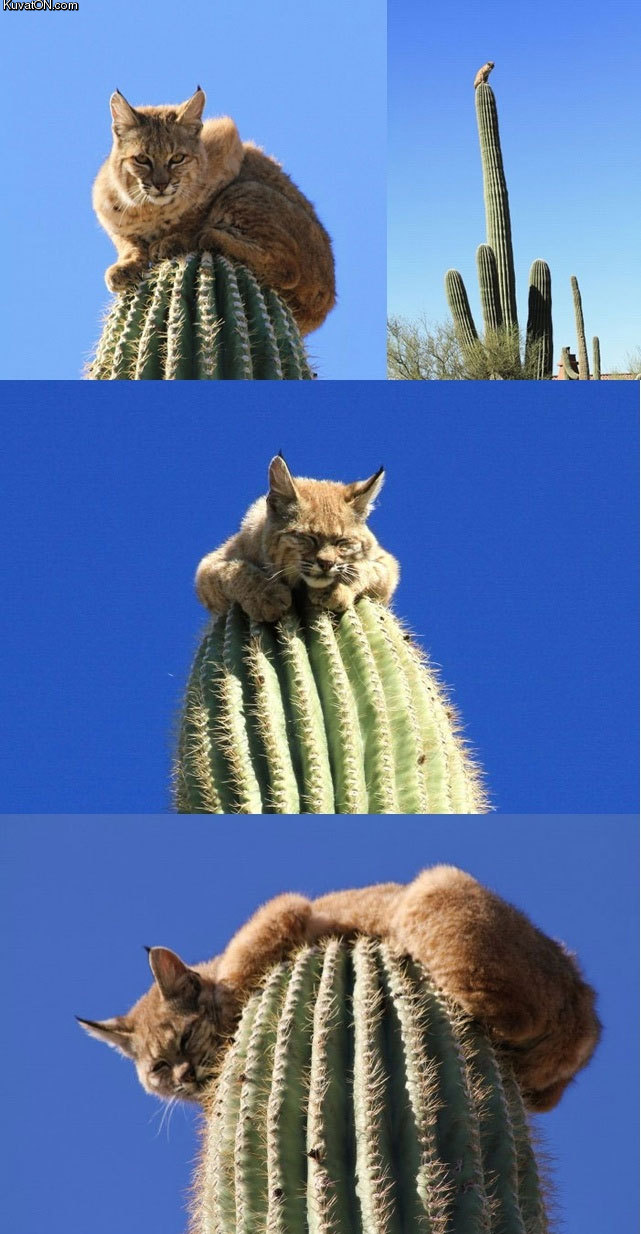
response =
{"points": [[200, 317], [356, 1099], [497, 279], [319, 715]]}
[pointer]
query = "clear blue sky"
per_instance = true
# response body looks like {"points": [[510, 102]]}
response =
{"points": [[82, 1148], [566, 85], [307, 82], [514, 515]]}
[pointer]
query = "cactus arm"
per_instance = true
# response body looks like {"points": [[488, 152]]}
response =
{"points": [[539, 346], [489, 287], [567, 367], [582, 348], [114, 325], [498, 1143], [497, 209], [596, 358], [460, 309]]}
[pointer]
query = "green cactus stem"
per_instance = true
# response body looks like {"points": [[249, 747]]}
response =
{"points": [[199, 317], [460, 309], [582, 347], [355, 1098], [489, 286], [539, 348], [497, 209], [319, 714], [596, 358]]}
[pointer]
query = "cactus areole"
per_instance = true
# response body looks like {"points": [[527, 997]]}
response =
{"points": [[200, 317], [356, 1099], [319, 714]]}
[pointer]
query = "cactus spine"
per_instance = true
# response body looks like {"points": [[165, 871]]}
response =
{"points": [[356, 1099], [200, 317], [319, 714], [497, 278]]}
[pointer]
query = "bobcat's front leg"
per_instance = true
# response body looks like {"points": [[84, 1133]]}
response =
{"points": [[221, 583], [378, 577], [279, 928], [503, 971], [132, 264]]}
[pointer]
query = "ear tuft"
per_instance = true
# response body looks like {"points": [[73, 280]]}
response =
{"points": [[363, 493], [117, 1033]]}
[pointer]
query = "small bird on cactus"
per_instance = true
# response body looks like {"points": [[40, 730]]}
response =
{"points": [[483, 73]]}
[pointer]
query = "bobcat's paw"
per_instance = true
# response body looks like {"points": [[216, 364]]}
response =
{"points": [[124, 274], [171, 246], [337, 599], [274, 600]]}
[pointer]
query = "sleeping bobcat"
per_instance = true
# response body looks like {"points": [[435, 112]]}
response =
{"points": [[526, 989], [305, 535]]}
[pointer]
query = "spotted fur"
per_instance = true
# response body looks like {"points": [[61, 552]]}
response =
{"points": [[172, 185]]}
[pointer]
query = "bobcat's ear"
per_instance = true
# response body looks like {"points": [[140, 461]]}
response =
{"points": [[282, 490], [177, 983], [122, 114], [363, 493], [191, 112], [117, 1032]]}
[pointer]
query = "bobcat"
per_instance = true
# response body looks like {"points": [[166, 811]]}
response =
{"points": [[526, 989], [173, 184], [306, 536]]}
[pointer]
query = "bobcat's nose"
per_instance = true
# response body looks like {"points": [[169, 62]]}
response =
{"points": [[160, 183], [184, 1074], [325, 564]]}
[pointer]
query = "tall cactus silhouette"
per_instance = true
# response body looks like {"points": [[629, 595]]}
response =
{"points": [[356, 1099], [497, 278], [319, 714], [200, 317]]}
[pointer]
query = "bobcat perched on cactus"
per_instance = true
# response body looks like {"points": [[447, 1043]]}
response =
{"points": [[173, 185], [524, 988], [305, 536]]}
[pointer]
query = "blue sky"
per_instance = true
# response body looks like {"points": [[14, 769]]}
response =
{"points": [[306, 82], [82, 1147], [514, 515], [567, 96]]}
